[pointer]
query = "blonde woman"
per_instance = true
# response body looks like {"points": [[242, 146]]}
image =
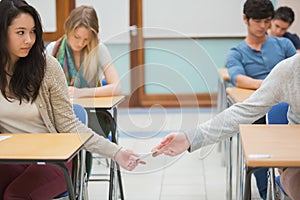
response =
{"points": [[84, 59], [86, 62]]}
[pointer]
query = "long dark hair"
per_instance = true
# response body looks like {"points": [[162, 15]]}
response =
{"points": [[28, 71]]}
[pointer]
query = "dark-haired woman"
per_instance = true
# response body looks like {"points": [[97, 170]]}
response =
{"points": [[34, 98]]}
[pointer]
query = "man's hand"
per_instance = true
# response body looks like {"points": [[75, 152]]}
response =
{"points": [[172, 145]]}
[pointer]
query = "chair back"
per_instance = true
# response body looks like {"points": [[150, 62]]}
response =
{"points": [[80, 113], [278, 114]]}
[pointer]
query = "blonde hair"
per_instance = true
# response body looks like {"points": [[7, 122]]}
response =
{"points": [[86, 16]]}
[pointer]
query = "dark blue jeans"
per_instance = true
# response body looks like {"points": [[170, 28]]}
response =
{"points": [[261, 175]]}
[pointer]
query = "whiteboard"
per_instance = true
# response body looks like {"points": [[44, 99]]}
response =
{"points": [[47, 11], [193, 18], [113, 16]]}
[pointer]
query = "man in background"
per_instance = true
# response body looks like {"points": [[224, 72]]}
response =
{"points": [[252, 60], [283, 19]]}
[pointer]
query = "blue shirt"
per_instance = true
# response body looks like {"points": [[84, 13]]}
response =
{"points": [[294, 38], [243, 60]]}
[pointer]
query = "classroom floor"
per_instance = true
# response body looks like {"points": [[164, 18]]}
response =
{"points": [[200, 175]]}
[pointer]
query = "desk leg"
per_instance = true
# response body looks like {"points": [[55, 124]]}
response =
{"points": [[120, 181], [111, 180], [68, 180], [228, 150], [240, 170], [114, 165], [115, 139], [271, 192], [113, 188], [82, 175], [248, 175]]}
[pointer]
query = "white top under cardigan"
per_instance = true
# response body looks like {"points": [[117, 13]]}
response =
{"points": [[24, 118]]}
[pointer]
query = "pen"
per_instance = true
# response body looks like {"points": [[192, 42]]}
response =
{"points": [[145, 155], [72, 81]]}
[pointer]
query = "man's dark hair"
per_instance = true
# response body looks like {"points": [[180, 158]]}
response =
{"points": [[258, 9], [285, 14]]}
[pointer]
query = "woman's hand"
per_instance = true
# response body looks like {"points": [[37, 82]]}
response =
{"points": [[127, 159], [172, 145]]}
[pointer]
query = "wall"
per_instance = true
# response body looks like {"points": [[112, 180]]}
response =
{"points": [[213, 51], [194, 18], [184, 66], [47, 12]]}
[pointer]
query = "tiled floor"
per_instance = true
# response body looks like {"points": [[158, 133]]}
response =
{"points": [[191, 176]]}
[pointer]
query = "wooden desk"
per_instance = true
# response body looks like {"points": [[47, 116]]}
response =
{"points": [[99, 102], [281, 142], [223, 72], [44, 148], [223, 83], [105, 105], [235, 95], [238, 95]]}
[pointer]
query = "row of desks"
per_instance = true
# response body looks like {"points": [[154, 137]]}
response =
{"points": [[236, 95], [260, 145]]}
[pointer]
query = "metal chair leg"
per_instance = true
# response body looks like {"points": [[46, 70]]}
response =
{"points": [[271, 185], [120, 182], [111, 178]]}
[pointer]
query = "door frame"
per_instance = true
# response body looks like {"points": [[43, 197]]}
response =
{"points": [[138, 96]]}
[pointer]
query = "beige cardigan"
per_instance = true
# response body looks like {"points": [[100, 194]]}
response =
{"points": [[56, 110]]}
